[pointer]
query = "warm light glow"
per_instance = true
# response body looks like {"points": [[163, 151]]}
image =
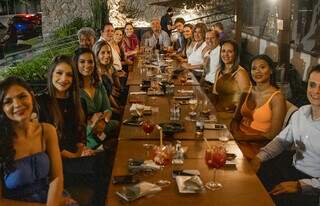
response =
{"points": [[141, 23], [188, 14], [273, 1]]}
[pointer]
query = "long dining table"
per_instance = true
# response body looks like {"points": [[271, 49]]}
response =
{"points": [[241, 186]]}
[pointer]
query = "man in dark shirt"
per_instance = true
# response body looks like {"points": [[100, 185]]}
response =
{"points": [[219, 28], [179, 44], [166, 21]]}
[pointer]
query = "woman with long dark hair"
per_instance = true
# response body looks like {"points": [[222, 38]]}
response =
{"points": [[231, 81], [261, 111], [95, 101], [61, 106], [29, 151], [199, 51], [130, 42], [187, 33]]}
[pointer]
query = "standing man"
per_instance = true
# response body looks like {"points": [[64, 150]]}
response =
{"points": [[211, 61], [180, 43], [166, 21], [155, 38]]}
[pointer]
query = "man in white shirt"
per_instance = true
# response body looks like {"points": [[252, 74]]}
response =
{"points": [[295, 182], [212, 60], [156, 37]]}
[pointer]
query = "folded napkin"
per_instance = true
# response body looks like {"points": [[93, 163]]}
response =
{"points": [[193, 183], [189, 184], [134, 107], [139, 92], [150, 164], [136, 191], [185, 91]]}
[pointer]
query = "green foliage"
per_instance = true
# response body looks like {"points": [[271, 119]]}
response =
{"points": [[71, 28], [36, 68], [100, 11]]}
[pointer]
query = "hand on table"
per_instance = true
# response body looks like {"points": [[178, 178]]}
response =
{"points": [[255, 164], [285, 187]]}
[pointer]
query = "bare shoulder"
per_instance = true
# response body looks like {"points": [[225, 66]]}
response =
{"points": [[49, 131], [278, 99], [242, 73]]}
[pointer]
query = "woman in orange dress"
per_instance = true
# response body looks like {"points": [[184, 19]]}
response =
{"points": [[260, 116]]}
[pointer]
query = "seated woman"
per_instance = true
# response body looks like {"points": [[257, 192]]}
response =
{"points": [[102, 51], [125, 62], [231, 81], [29, 151], [188, 36], [199, 50], [61, 106], [130, 42], [95, 101], [261, 111], [295, 181]]}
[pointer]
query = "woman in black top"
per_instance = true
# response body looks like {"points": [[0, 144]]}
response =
{"points": [[61, 106]]}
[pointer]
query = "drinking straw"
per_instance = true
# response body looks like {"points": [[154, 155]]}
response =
{"points": [[161, 135], [206, 141]]}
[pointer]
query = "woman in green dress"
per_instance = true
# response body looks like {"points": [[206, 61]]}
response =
{"points": [[95, 102]]}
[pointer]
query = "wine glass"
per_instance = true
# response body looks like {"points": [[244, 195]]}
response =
{"points": [[148, 127], [162, 156], [183, 80], [154, 87], [193, 103], [140, 109], [147, 147], [215, 158]]}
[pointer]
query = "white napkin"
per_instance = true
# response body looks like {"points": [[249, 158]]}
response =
{"points": [[134, 107], [139, 92], [149, 164], [185, 91]]}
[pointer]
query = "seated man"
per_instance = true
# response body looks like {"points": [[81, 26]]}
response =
{"points": [[86, 37], [296, 182], [179, 44], [212, 60], [155, 38]]}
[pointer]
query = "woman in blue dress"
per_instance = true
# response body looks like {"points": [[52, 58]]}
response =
{"points": [[29, 151]]}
